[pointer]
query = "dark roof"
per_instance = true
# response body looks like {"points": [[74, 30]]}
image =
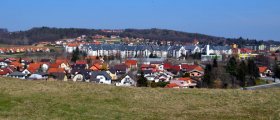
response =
{"points": [[220, 47], [79, 66], [84, 72], [147, 71], [120, 67], [189, 47], [16, 73], [45, 60], [94, 74]]}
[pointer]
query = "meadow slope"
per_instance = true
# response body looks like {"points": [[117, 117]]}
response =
{"points": [[27, 100]]}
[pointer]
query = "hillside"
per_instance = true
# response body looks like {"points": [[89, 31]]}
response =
{"points": [[60, 100], [52, 34]]}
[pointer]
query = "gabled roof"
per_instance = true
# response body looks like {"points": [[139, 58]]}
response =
{"points": [[16, 64], [188, 67], [94, 74], [96, 66], [199, 68]]}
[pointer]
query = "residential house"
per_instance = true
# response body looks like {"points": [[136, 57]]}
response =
{"points": [[184, 82], [127, 81], [5, 71], [193, 70], [58, 73], [96, 66], [100, 77], [120, 69], [3, 64], [38, 76], [172, 85], [17, 74], [264, 71], [77, 73], [63, 63], [131, 63], [69, 48]]}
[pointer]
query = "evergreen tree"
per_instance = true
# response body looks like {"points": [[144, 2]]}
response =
{"points": [[215, 62], [207, 76], [75, 55], [231, 69], [142, 81], [104, 67], [32, 61], [276, 69], [20, 60], [253, 72], [241, 73]]}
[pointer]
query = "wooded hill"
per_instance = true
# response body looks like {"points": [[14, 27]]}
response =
{"points": [[52, 34]]}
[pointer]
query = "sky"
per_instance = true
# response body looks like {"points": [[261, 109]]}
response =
{"points": [[254, 19]]}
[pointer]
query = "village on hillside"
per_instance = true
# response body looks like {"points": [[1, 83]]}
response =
{"points": [[133, 62]]}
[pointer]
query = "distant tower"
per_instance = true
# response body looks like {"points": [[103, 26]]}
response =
{"points": [[208, 49]]}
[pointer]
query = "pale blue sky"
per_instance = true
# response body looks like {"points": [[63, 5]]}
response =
{"points": [[256, 19]]}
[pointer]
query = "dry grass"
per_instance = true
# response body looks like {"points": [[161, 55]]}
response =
{"points": [[59, 100]]}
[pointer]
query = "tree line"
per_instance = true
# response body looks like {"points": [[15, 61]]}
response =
{"points": [[233, 74]]}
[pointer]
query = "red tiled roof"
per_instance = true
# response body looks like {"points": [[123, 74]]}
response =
{"points": [[246, 50], [131, 62], [32, 70], [56, 70], [188, 67], [148, 66], [96, 66], [60, 61], [73, 45], [16, 64], [199, 68], [185, 79], [176, 68], [5, 71], [81, 62], [167, 66], [172, 85], [262, 69], [36, 65], [91, 57], [55, 65]]}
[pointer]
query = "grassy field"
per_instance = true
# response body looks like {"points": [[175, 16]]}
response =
{"points": [[60, 100]]}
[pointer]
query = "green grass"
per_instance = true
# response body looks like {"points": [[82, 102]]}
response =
{"points": [[66, 100]]}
